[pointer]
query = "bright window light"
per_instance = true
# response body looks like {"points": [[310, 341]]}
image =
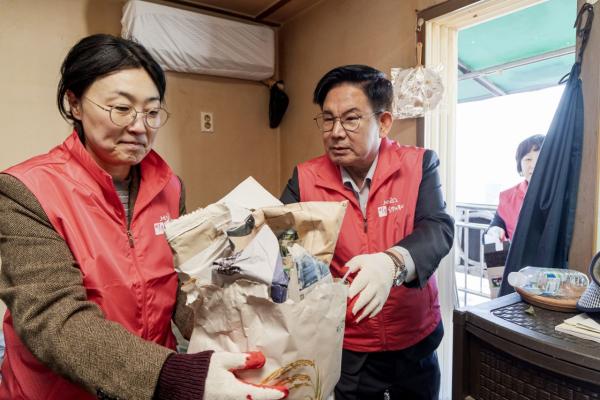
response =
{"points": [[487, 135]]}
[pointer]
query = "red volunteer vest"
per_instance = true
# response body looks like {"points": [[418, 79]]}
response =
{"points": [[129, 274], [509, 206], [410, 314]]}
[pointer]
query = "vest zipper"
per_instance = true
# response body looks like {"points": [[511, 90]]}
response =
{"points": [[365, 224], [137, 268], [141, 280], [130, 237]]}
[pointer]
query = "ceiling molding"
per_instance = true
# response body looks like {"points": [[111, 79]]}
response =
{"points": [[216, 10], [271, 9]]}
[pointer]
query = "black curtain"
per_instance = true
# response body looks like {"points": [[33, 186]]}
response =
{"points": [[543, 234]]}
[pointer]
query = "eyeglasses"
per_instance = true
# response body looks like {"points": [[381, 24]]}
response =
{"points": [[350, 122], [123, 115]]}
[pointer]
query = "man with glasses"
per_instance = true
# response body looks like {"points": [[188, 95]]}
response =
{"points": [[394, 234]]}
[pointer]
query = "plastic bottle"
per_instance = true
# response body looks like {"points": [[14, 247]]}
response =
{"points": [[553, 282]]}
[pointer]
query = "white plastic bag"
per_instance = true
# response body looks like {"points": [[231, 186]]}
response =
{"points": [[416, 90]]}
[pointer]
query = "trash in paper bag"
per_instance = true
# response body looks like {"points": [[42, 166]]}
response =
{"points": [[302, 337], [260, 261], [310, 269], [198, 238]]}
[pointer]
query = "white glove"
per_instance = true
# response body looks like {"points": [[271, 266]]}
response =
{"points": [[496, 234], [374, 281], [222, 384]]}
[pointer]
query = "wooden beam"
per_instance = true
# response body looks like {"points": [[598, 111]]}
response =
{"points": [[583, 245], [271, 9], [443, 8], [215, 10]]}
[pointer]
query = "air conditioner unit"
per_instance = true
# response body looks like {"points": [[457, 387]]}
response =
{"points": [[186, 41]]}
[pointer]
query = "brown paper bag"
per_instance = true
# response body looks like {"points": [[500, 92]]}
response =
{"points": [[317, 222], [301, 340], [192, 234]]}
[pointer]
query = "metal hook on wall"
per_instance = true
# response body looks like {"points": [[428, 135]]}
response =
{"points": [[584, 27], [421, 21]]}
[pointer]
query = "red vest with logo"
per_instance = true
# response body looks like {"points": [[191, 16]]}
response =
{"points": [[509, 206], [128, 272], [410, 314]]}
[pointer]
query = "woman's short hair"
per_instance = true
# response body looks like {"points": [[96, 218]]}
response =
{"points": [[532, 143], [374, 84], [96, 56]]}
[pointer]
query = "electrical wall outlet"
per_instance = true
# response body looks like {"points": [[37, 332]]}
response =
{"points": [[207, 122]]}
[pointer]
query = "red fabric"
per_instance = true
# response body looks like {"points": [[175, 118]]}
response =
{"points": [[410, 314], [509, 206], [134, 286]]}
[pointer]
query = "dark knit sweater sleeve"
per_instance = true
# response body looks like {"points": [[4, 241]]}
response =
{"points": [[183, 376], [42, 286]]}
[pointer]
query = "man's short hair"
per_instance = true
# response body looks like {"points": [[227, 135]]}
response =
{"points": [[532, 143], [374, 84]]}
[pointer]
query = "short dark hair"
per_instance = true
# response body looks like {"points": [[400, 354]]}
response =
{"points": [[374, 83], [532, 143], [96, 56]]}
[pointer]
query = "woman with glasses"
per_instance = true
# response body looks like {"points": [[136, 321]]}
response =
{"points": [[86, 273]]}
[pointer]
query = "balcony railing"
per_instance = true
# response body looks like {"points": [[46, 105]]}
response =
{"points": [[469, 268]]}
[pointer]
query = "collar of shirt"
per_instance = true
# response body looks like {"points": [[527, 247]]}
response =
{"points": [[362, 193], [349, 182]]}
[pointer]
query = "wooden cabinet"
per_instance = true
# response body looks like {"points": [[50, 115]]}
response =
{"points": [[502, 352]]}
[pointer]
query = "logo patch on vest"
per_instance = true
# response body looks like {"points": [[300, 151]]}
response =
{"points": [[389, 206], [159, 227]]}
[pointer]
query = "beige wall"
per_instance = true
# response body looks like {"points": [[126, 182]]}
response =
{"points": [[242, 144], [34, 38], [378, 33]]}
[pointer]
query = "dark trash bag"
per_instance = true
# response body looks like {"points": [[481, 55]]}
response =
{"points": [[278, 104], [545, 229]]}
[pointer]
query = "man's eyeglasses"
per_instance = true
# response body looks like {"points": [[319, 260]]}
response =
{"points": [[123, 115], [350, 122]]}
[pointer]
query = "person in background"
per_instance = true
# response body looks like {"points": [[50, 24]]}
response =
{"points": [[505, 220], [393, 237], [87, 274]]}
